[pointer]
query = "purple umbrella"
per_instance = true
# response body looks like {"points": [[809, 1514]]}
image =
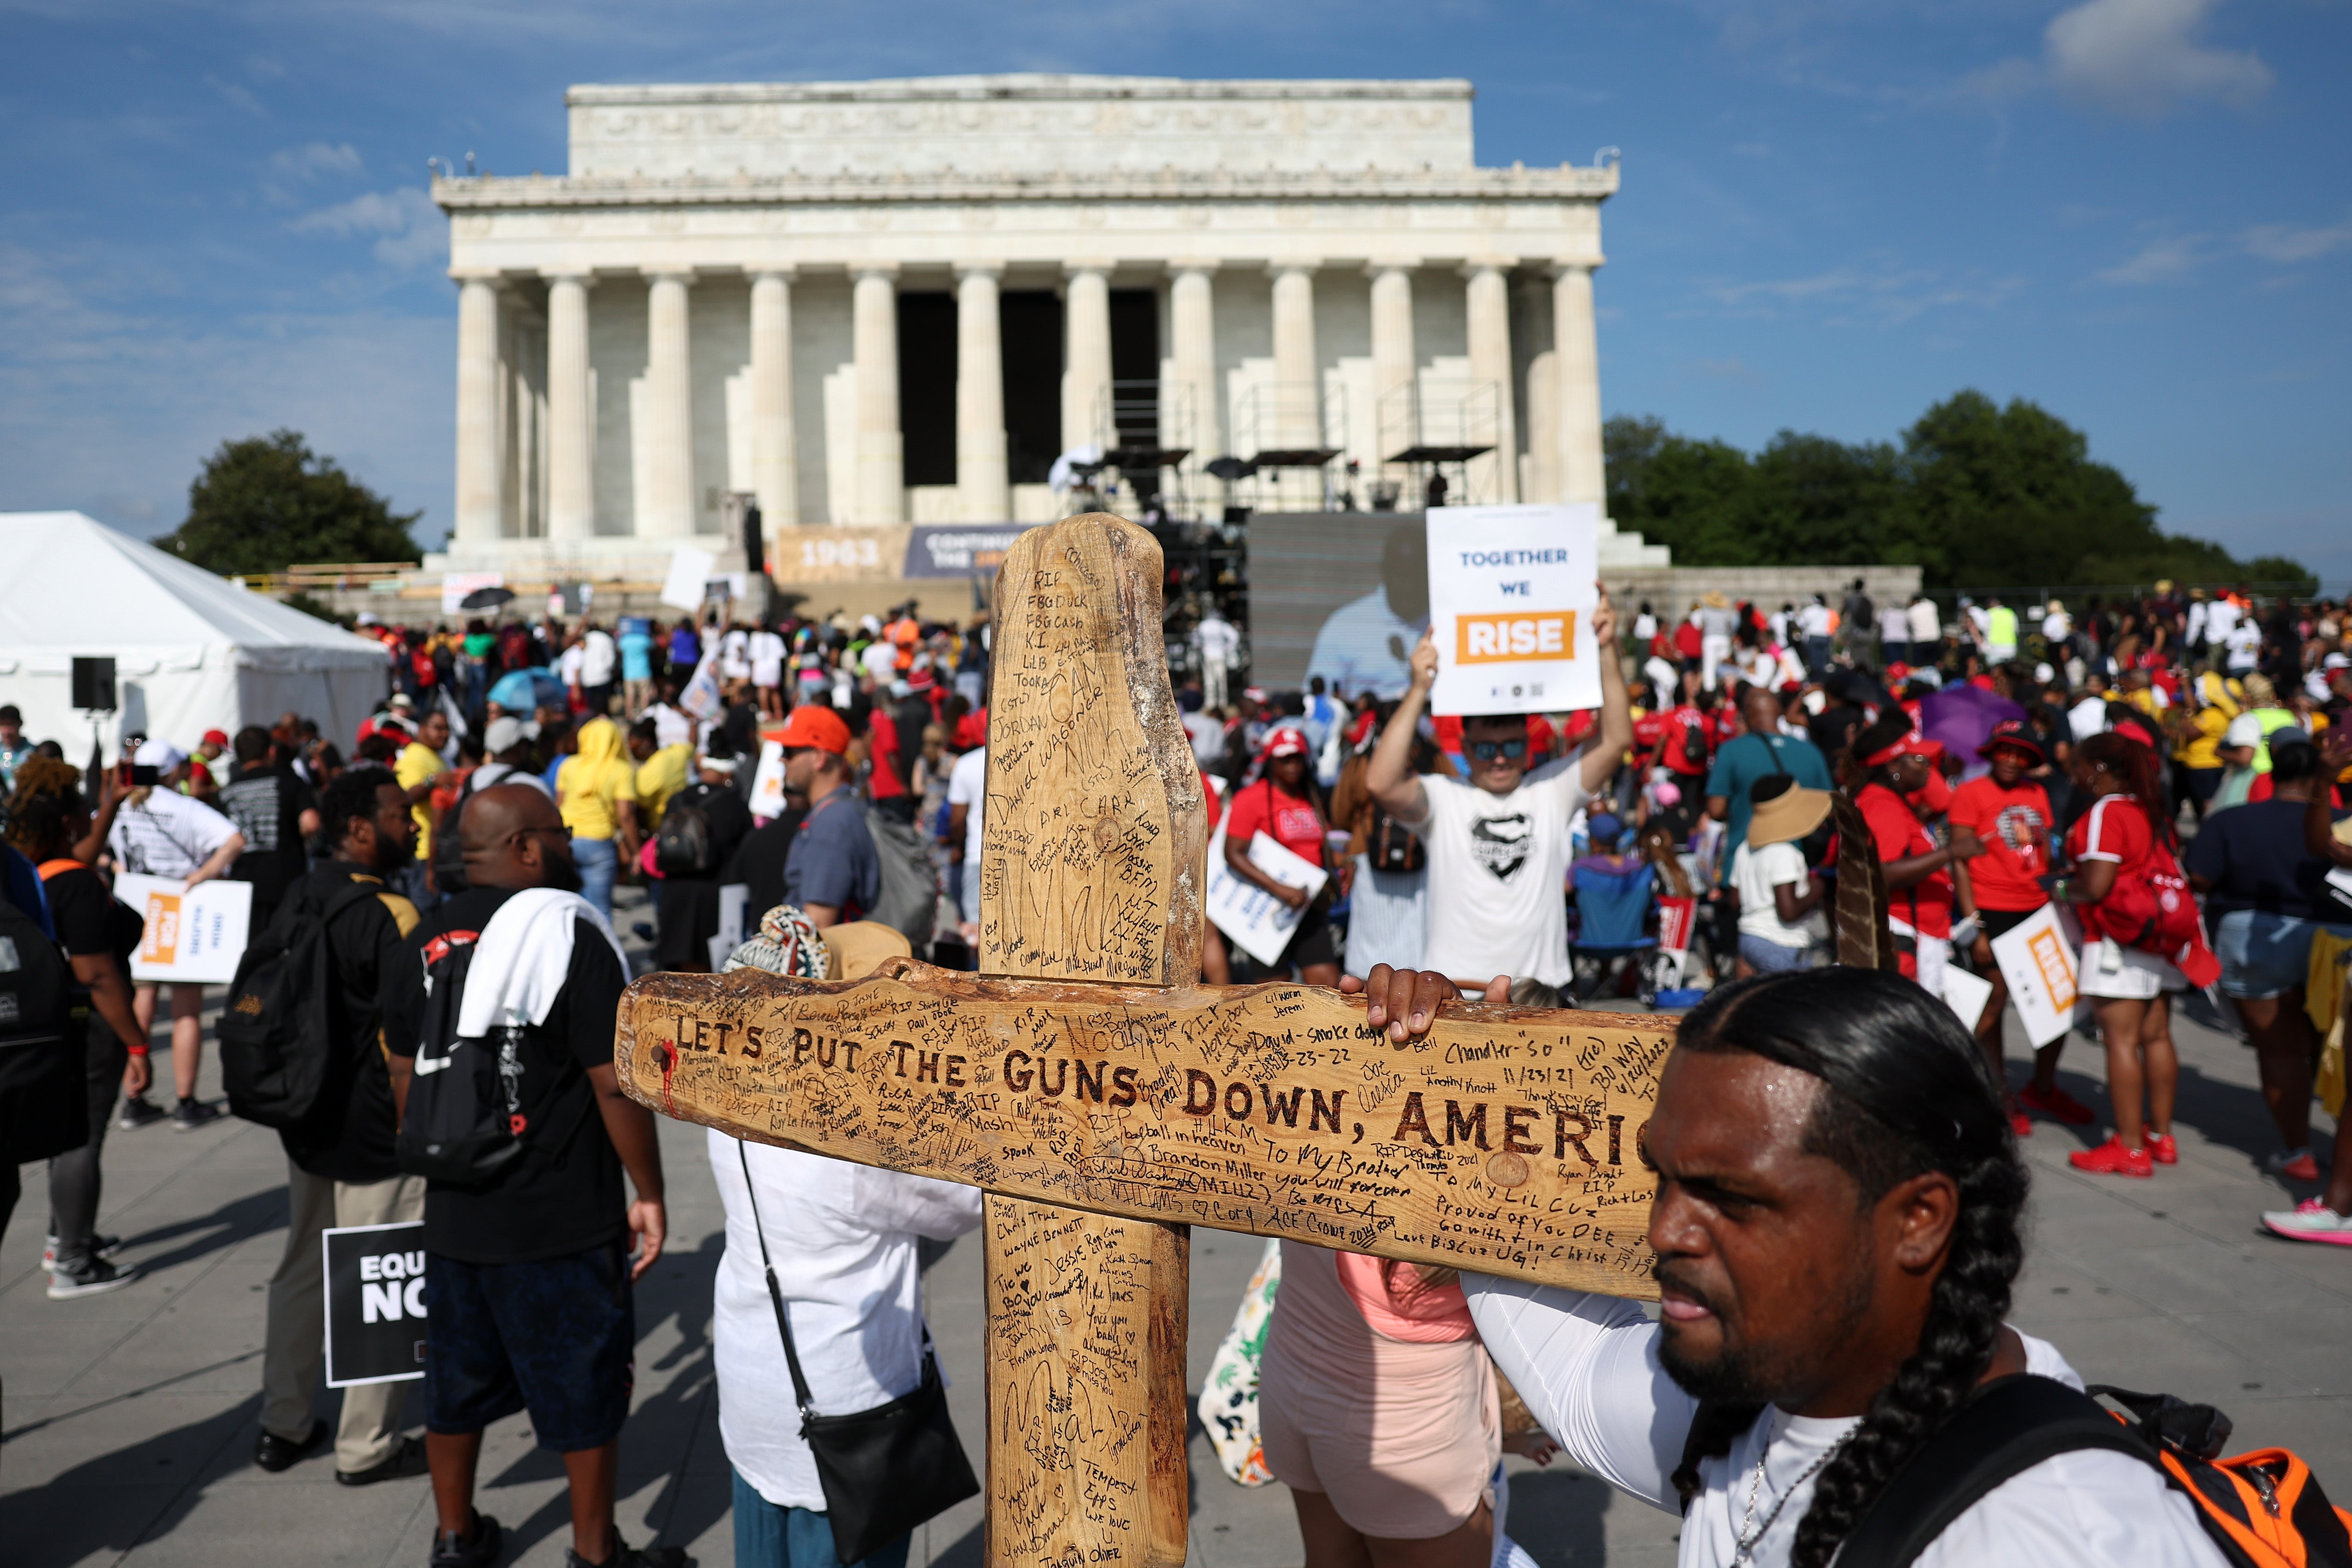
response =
{"points": [[1962, 717]]}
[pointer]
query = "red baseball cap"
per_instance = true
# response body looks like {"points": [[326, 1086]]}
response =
{"points": [[812, 724], [1286, 743], [214, 738]]}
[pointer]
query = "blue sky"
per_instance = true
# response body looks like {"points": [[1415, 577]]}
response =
{"points": [[2137, 213]]}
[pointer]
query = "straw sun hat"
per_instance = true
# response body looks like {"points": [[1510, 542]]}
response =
{"points": [[1788, 817]]}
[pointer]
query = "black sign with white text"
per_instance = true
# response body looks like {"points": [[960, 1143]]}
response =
{"points": [[375, 1303]]}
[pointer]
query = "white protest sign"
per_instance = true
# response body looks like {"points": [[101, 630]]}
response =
{"points": [[689, 578], [1511, 595], [1966, 995], [734, 899], [768, 782], [702, 698], [1259, 923], [456, 585], [188, 937], [2037, 959]]}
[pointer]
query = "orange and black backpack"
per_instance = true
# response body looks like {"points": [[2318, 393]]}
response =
{"points": [[2262, 1509]]}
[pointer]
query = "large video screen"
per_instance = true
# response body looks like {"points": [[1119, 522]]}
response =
{"points": [[1342, 594]]}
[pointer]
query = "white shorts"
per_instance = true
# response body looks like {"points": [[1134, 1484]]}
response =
{"points": [[2125, 974]]}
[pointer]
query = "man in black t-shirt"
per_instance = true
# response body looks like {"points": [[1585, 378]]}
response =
{"points": [[339, 1165], [276, 811], [527, 1276]]}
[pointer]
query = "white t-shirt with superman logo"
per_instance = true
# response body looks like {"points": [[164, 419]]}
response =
{"points": [[1498, 864]]}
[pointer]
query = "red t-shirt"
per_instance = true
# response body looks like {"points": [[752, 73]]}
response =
{"points": [[1689, 641], [1649, 733], [1681, 723], [1925, 907], [1215, 802], [2116, 829], [882, 745], [1294, 823], [2015, 827]]}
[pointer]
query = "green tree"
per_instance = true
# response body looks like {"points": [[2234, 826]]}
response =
{"points": [[1979, 495], [268, 502]]}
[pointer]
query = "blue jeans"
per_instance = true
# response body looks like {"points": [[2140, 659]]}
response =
{"points": [[599, 860], [2264, 955], [767, 1536]]}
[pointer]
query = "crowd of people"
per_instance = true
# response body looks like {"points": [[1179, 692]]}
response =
{"points": [[2167, 771]]}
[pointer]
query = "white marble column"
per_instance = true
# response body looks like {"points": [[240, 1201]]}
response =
{"points": [[570, 480], [1085, 383], [1539, 480], [480, 460], [1396, 406], [775, 469], [1298, 382], [983, 483], [881, 493], [669, 405], [1578, 356], [1487, 302], [1193, 358]]}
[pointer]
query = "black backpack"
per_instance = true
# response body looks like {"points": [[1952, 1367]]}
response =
{"points": [[463, 1123], [682, 842], [44, 1105], [277, 1035]]}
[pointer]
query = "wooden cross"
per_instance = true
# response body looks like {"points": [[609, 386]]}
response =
{"points": [[1108, 1102]]}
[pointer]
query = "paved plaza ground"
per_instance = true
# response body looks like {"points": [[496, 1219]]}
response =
{"points": [[128, 1420]]}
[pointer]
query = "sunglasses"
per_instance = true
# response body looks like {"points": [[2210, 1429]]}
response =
{"points": [[1487, 750]]}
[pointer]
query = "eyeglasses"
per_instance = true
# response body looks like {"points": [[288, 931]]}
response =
{"points": [[1487, 750]]}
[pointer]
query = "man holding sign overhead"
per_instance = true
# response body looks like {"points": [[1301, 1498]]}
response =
{"points": [[1518, 624]]}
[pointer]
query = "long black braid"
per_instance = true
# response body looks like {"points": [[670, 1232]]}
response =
{"points": [[1907, 1093]]}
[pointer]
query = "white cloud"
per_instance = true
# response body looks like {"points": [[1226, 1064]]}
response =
{"points": [[1879, 294], [2289, 242], [314, 160], [2172, 260], [411, 229], [2141, 56]]}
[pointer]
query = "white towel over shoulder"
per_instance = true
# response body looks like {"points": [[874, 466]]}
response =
{"points": [[522, 958]]}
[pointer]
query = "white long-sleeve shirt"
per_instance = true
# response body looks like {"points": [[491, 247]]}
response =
{"points": [[1588, 1368], [843, 1238]]}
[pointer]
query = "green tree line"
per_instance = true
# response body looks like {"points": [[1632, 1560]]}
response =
{"points": [[1977, 495]]}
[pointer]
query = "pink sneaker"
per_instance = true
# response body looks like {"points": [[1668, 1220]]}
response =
{"points": [[2310, 1220]]}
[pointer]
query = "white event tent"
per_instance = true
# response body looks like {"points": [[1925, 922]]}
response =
{"points": [[192, 651]]}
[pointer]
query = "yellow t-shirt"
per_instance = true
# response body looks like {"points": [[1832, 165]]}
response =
{"points": [[590, 787], [418, 762], [660, 776], [2199, 745]]}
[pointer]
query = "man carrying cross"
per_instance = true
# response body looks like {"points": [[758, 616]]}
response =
{"points": [[1834, 1228]]}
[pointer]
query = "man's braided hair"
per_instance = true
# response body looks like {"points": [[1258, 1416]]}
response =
{"points": [[1907, 1092]]}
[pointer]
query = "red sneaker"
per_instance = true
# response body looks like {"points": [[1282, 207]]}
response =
{"points": [[2301, 1168], [2163, 1150], [2112, 1159], [2056, 1103], [2020, 1123]]}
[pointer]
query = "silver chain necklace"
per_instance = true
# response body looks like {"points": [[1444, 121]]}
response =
{"points": [[1743, 1550]]}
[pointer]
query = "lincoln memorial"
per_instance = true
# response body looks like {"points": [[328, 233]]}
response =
{"points": [[893, 302]]}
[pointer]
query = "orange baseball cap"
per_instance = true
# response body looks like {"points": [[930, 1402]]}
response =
{"points": [[814, 724]]}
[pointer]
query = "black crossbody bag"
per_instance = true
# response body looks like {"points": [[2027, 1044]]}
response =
{"points": [[884, 1470]]}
